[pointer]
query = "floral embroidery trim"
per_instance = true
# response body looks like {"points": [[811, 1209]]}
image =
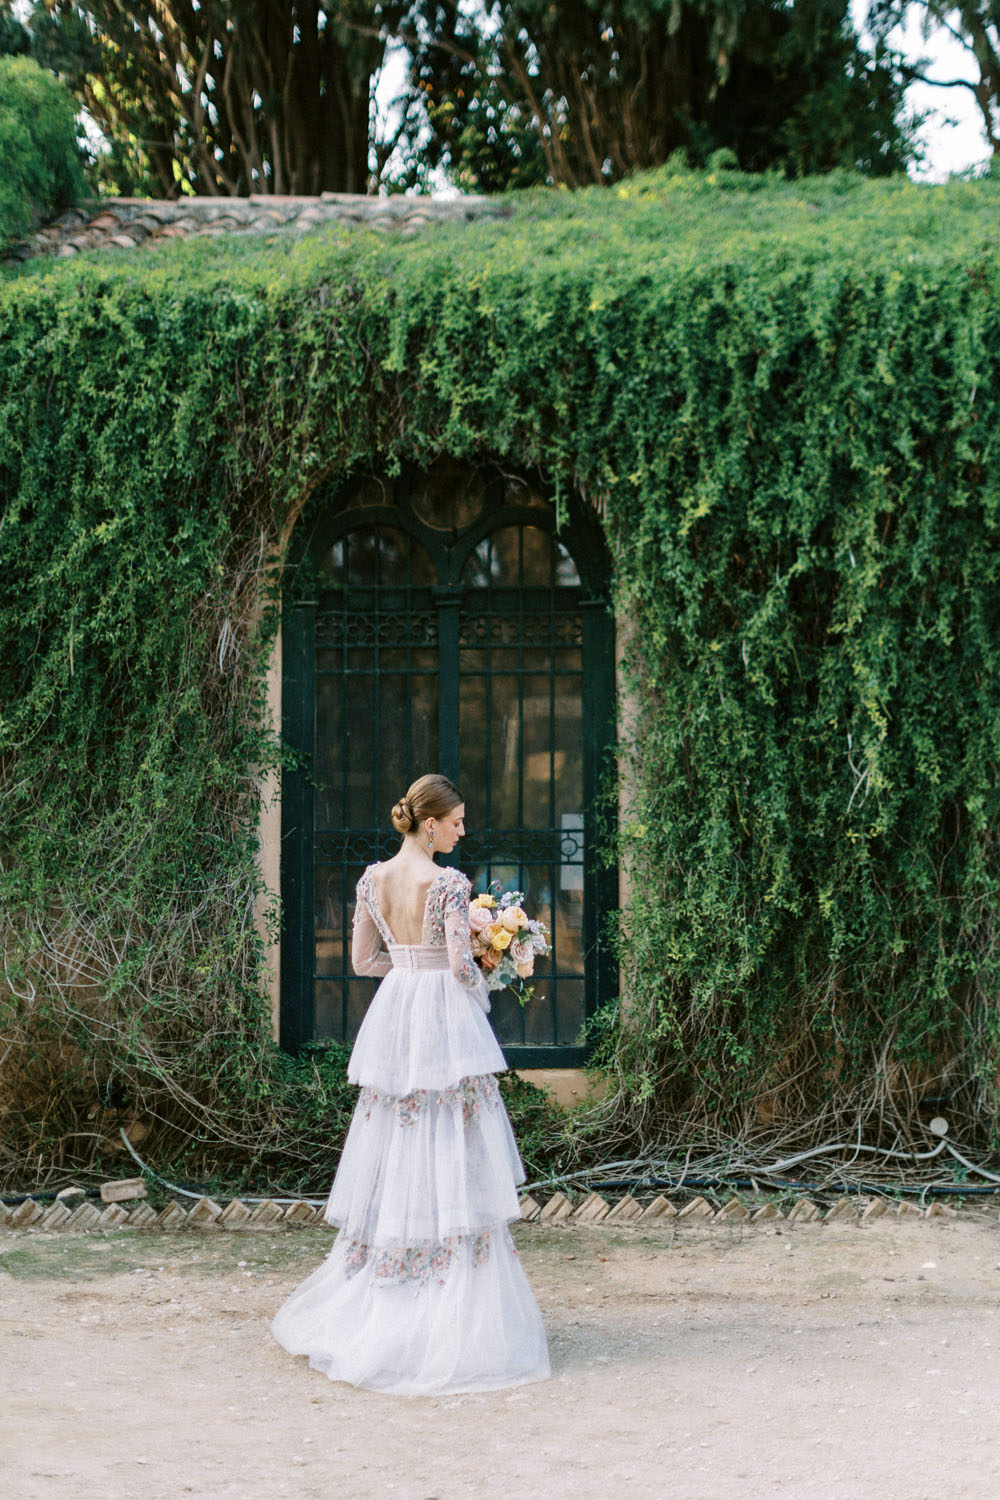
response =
{"points": [[471, 1095], [366, 890], [414, 1265], [355, 1256], [449, 893]]}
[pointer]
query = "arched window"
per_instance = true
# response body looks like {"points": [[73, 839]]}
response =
{"points": [[438, 622]]}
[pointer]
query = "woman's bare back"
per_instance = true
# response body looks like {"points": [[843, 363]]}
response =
{"points": [[401, 886]]}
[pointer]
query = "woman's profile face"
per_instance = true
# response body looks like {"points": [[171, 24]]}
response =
{"points": [[449, 829]]}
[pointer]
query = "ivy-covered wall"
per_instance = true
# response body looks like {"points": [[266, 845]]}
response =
{"points": [[783, 400]]}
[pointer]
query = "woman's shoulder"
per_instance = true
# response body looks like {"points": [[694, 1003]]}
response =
{"points": [[449, 890], [367, 878]]}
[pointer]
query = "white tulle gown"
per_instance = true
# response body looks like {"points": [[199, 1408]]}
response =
{"points": [[423, 1291]]}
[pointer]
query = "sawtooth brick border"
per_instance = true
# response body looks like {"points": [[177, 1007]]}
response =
{"points": [[558, 1209]]}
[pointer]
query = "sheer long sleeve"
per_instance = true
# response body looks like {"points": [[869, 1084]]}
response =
{"points": [[368, 956], [458, 939]]}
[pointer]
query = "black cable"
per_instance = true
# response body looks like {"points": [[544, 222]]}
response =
{"points": [[737, 1183]]}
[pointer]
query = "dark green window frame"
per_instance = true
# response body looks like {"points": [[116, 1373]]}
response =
{"points": [[304, 849]]}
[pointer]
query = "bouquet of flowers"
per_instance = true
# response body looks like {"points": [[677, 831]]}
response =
{"points": [[505, 940]]}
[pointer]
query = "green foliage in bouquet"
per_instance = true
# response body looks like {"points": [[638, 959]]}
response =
{"points": [[782, 398], [42, 168]]}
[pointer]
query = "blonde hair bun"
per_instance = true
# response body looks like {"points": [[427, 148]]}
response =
{"points": [[402, 816], [432, 796]]}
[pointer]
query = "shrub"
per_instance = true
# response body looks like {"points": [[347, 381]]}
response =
{"points": [[42, 171]]}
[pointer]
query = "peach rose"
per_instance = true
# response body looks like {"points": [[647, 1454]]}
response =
{"points": [[513, 918], [525, 971], [480, 917]]}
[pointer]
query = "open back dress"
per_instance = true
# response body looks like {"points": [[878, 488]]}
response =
{"points": [[423, 1291]]}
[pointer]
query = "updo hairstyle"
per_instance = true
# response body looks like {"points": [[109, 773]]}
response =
{"points": [[430, 796]]}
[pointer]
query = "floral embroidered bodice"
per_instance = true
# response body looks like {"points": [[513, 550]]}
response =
{"points": [[445, 926]]}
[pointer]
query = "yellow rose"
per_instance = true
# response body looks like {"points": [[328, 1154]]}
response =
{"points": [[501, 939], [488, 901]]}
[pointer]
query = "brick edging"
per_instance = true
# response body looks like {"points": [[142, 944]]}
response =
{"points": [[206, 1214], [594, 1209]]}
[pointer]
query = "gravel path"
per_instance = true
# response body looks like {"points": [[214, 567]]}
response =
{"points": [[838, 1362]]}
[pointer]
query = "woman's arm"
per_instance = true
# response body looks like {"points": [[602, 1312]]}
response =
{"points": [[368, 957], [459, 941], [463, 965]]}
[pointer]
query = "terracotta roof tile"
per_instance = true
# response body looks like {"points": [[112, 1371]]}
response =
{"points": [[126, 223]]}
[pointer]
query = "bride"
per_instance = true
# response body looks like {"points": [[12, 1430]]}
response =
{"points": [[423, 1291]]}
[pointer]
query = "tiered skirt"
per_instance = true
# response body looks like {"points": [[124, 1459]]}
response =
{"points": [[423, 1292]]}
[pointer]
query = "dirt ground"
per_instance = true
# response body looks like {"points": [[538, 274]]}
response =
{"points": [[845, 1362]]}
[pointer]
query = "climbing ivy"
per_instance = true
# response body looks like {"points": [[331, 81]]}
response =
{"points": [[782, 398]]}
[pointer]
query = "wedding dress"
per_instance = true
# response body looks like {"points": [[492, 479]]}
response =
{"points": [[423, 1291]]}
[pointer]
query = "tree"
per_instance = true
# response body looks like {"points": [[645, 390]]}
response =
{"points": [[277, 96], [528, 90], [224, 97], [975, 24], [38, 147], [15, 39]]}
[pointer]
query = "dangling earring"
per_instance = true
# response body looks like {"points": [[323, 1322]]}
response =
{"points": [[430, 842]]}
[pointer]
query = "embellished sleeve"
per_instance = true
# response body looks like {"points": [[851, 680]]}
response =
{"points": [[458, 938], [368, 955]]}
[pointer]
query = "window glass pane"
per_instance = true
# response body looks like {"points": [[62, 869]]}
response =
{"points": [[405, 736], [503, 557], [567, 936], [540, 1024], [539, 765], [329, 1007], [382, 556], [571, 1006], [567, 746], [476, 573], [359, 997], [330, 810], [506, 1018], [451, 497], [368, 492], [504, 730], [474, 746], [356, 769], [517, 491], [329, 916], [538, 549], [566, 573]]}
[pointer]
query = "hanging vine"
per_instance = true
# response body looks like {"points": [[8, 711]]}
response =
{"points": [[795, 457]]}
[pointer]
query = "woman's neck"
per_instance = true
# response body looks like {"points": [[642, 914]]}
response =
{"points": [[414, 847]]}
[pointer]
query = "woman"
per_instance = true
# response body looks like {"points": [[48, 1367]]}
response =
{"points": [[423, 1291]]}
